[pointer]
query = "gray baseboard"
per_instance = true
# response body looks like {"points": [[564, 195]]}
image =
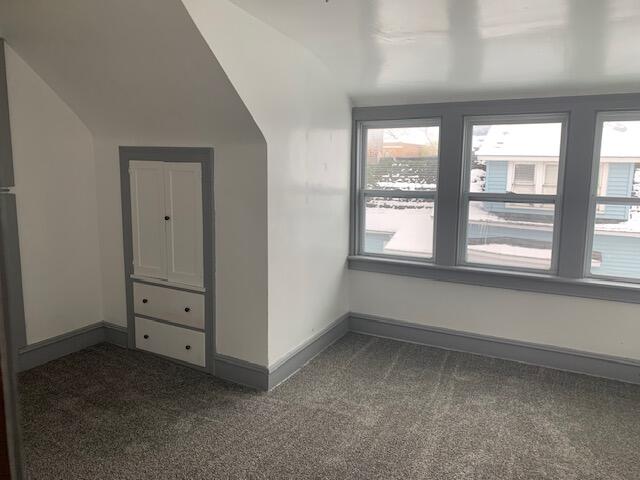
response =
{"points": [[263, 378], [298, 358], [241, 372], [115, 334], [42, 352], [594, 364], [50, 349]]}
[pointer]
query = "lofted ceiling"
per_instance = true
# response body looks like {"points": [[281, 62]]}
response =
{"points": [[405, 51]]}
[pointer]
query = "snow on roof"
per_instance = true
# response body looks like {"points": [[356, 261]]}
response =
{"points": [[532, 140], [619, 139], [411, 135]]}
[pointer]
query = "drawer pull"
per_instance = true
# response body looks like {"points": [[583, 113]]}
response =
{"points": [[188, 347], [167, 217], [145, 300], [146, 336], [187, 309]]}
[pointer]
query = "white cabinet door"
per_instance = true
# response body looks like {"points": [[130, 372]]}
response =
{"points": [[183, 204], [147, 218]]}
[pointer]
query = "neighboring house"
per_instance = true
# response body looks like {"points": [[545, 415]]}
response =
{"points": [[523, 160]]}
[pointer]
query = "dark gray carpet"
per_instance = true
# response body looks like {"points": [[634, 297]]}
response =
{"points": [[366, 408]]}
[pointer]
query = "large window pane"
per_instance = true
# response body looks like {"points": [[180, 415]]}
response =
{"points": [[517, 158], [616, 241], [399, 226], [619, 167], [403, 158], [616, 233], [518, 235]]}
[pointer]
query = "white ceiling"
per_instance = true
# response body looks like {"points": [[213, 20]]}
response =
{"points": [[404, 51]]}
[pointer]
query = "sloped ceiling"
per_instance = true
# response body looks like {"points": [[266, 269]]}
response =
{"points": [[403, 51], [129, 68]]}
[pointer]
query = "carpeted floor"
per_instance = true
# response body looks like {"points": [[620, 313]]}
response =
{"points": [[367, 408]]}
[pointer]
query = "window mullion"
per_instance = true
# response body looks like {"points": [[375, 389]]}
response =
{"points": [[576, 193], [446, 230]]}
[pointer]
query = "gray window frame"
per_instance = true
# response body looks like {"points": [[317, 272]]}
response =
{"points": [[362, 193], [602, 117], [571, 275], [467, 197]]}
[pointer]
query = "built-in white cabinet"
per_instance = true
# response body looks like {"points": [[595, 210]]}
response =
{"points": [[166, 221]]}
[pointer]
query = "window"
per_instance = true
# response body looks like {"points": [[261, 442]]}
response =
{"points": [[615, 212], [398, 164], [481, 193], [524, 178], [510, 193]]}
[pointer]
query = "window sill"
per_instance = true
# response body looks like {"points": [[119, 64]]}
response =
{"points": [[486, 277]]}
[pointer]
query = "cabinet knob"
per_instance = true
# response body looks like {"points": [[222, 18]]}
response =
{"points": [[146, 336], [167, 217], [188, 347], [187, 309], [145, 300]]}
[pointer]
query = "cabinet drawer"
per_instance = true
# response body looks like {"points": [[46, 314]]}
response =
{"points": [[175, 342], [176, 306]]}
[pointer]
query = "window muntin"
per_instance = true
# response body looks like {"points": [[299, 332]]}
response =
{"points": [[398, 163], [615, 211], [511, 191]]}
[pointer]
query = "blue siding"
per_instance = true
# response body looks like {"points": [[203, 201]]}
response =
{"points": [[496, 179], [619, 255], [619, 184], [482, 230], [375, 242]]}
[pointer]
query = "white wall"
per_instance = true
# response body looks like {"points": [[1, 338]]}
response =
{"points": [[591, 325], [57, 207], [305, 119], [143, 75]]}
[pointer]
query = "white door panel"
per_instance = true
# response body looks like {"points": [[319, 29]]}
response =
{"points": [[183, 204], [147, 218]]}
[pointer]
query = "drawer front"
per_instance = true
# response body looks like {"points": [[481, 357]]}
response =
{"points": [[175, 342], [176, 306]]}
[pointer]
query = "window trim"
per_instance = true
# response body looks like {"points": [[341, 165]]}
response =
{"points": [[361, 193], [570, 278], [595, 199], [466, 197]]}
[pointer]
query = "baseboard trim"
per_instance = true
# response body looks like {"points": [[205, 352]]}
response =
{"points": [[56, 347], [588, 363], [262, 378], [116, 334], [42, 352], [241, 372], [298, 358]]}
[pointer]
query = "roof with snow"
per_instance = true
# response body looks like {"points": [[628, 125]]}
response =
{"points": [[619, 139]]}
